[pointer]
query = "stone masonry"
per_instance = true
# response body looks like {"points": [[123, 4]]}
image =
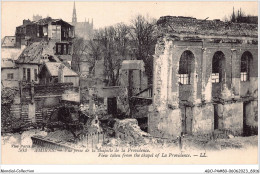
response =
{"points": [[197, 104]]}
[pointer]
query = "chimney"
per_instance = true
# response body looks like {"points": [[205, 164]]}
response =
{"points": [[25, 22], [61, 74]]}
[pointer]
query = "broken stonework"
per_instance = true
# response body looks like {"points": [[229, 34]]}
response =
{"points": [[233, 117], [129, 131], [198, 85], [93, 125], [203, 119]]}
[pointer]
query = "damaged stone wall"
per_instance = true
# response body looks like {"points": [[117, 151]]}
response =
{"points": [[38, 101], [165, 124], [163, 121], [203, 119], [251, 117], [231, 117], [166, 115]]}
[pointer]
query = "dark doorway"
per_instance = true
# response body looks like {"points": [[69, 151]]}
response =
{"points": [[246, 129], [111, 105], [215, 116], [187, 120]]}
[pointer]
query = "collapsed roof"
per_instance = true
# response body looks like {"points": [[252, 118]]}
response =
{"points": [[37, 52], [46, 21], [192, 26]]}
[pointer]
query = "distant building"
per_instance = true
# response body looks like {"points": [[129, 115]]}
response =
{"points": [[47, 29], [8, 41], [9, 54], [42, 46], [9, 73], [82, 29], [37, 17], [249, 19]]}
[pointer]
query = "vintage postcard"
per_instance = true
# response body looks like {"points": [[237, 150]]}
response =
{"points": [[129, 82]]}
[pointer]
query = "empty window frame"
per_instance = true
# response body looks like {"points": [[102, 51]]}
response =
{"points": [[185, 67], [62, 49], [215, 77], [245, 66], [59, 49], [35, 75], [218, 62], [24, 74]]}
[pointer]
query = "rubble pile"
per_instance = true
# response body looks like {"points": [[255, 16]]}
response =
{"points": [[129, 131], [93, 125], [188, 25], [62, 135]]}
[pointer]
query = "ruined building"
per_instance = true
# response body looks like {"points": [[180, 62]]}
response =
{"points": [[9, 54], [205, 78], [44, 29], [82, 29], [36, 17], [41, 72]]}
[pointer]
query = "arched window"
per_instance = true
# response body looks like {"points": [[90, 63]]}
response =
{"points": [[245, 66], [186, 67], [218, 67]]}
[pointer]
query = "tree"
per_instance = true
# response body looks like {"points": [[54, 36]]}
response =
{"points": [[144, 39], [113, 43], [8, 121], [94, 54], [79, 53], [241, 17]]}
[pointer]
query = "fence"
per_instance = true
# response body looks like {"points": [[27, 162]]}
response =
{"points": [[92, 139]]}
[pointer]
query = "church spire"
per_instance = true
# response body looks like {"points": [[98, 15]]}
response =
{"points": [[74, 14]]}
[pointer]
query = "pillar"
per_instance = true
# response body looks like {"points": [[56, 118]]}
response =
{"points": [[164, 74], [235, 73], [206, 89]]}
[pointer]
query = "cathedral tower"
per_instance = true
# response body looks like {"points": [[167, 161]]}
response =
{"points": [[74, 14]]}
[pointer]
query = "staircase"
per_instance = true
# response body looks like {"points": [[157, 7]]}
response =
{"points": [[146, 94], [25, 118], [38, 116], [144, 97]]}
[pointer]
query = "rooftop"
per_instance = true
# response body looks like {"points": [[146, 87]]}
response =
{"points": [[132, 65], [46, 21], [7, 63], [9, 41], [53, 69], [35, 53], [11, 53]]}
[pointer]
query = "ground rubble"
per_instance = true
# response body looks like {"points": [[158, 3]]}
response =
{"points": [[129, 131]]}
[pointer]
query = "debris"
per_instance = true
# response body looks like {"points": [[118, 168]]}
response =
{"points": [[63, 135], [129, 131], [93, 125], [188, 25], [230, 136]]}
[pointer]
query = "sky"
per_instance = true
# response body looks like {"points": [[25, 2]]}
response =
{"points": [[110, 13]]}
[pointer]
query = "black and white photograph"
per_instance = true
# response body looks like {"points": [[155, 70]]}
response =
{"points": [[85, 82]]}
